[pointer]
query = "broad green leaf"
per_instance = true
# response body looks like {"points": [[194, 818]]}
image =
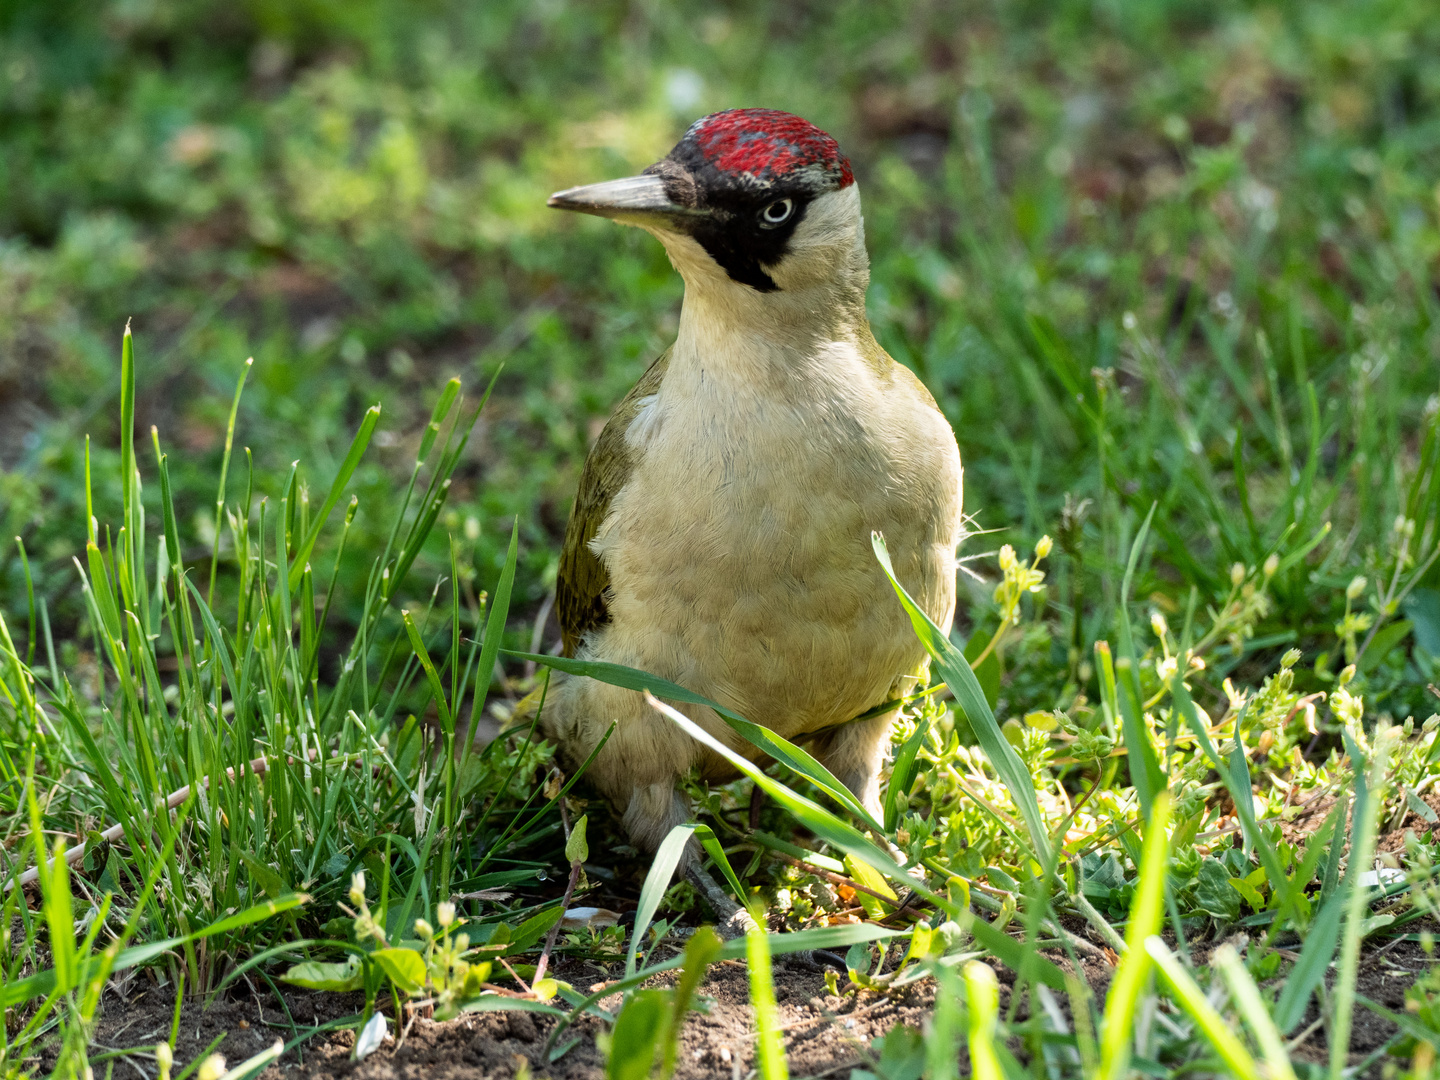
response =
{"points": [[1248, 893], [1385, 640], [576, 849], [871, 879], [1213, 891], [404, 967], [266, 876], [529, 933], [1417, 804], [1422, 608], [313, 975]]}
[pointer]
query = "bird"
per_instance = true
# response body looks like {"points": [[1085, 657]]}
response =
{"points": [[720, 537]]}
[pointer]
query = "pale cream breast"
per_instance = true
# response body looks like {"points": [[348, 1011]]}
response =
{"points": [[739, 550]]}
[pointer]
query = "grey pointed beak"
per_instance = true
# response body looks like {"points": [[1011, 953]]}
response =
{"points": [[636, 200]]}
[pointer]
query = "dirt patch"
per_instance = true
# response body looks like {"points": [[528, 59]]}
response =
{"points": [[140, 1017], [822, 1033]]}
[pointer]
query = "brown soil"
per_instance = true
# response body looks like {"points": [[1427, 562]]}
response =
{"points": [[823, 1034]]}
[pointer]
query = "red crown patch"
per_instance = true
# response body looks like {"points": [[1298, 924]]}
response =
{"points": [[768, 143]]}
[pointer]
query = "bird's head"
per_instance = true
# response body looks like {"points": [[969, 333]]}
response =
{"points": [[754, 199]]}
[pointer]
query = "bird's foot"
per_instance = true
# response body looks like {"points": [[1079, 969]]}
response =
{"points": [[733, 921], [818, 961]]}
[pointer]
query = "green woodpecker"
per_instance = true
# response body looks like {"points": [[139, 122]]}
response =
{"points": [[721, 534]]}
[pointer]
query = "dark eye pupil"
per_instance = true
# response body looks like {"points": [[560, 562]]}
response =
{"points": [[778, 211]]}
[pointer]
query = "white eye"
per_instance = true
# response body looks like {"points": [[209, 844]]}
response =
{"points": [[777, 213]]}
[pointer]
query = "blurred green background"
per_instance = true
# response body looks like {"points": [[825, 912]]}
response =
{"points": [[1181, 253]]}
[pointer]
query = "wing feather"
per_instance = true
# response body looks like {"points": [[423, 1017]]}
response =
{"points": [[580, 600]]}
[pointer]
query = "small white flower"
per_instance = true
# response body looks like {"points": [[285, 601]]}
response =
{"points": [[371, 1036]]}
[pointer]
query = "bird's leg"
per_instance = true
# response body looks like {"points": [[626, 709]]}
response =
{"points": [[655, 809], [854, 753], [757, 803]]}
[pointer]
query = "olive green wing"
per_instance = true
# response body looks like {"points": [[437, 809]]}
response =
{"points": [[580, 603]]}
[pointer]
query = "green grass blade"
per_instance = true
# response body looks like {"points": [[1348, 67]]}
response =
{"points": [[1254, 1011], [944, 1034], [662, 869], [1145, 772], [437, 418], [437, 690], [1117, 1027], [636, 1036], [902, 773], [1016, 955], [1357, 907], [711, 844], [847, 838], [494, 632], [29, 602], [700, 952], [769, 1042], [955, 670], [1318, 951], [225, 473], [358, 446], [782, 750], [983, 994], [813, 816], [1193, 1000]]}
